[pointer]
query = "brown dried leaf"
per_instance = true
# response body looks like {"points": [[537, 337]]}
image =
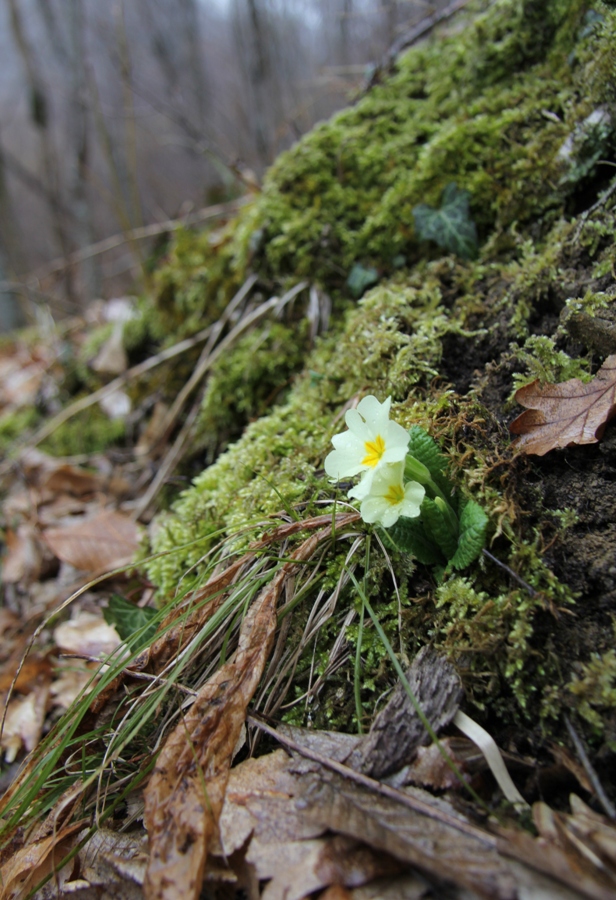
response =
{"points": [[333, 861], [185, 794], [24, 561], [559, 415], [24, 722], [30, 864], [88, 634], [106, 541]]}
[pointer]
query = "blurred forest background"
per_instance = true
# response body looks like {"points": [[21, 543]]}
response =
{"points": [[117, 117]]}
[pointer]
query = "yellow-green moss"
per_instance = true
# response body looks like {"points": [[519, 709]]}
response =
{"points": [[89, 432]]}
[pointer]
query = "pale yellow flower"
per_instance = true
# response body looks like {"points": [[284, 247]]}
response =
{"points": [[371, 442], [390, 498]]}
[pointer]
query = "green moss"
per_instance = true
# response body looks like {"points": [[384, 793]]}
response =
{"points": [[89, 432], [547, 364], [593, 690], [14, 423], [245, 382]]}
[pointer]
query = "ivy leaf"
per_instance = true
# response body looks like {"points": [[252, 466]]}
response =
{"points": [[473, 527], [436, 525], [409, 536], [451, 226], [360, 279], [129, 618]]}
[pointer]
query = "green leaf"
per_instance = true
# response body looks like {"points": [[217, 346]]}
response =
{"points": [[409, 536], [473, 527], [437, 525], [427, 451], [360, 279], [128, 618], [451, 226]]}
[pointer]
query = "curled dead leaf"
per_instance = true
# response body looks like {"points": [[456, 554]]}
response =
{"points": [[559, 415]]}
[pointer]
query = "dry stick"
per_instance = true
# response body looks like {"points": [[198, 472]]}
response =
{"points": [[605, 801], [205, 360], [379, 787], [605, 196], [510, 571], [410, 37], [173, 454]]}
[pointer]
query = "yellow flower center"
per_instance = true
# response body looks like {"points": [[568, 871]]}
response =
{"points": [[395, 494], [374, 451]]}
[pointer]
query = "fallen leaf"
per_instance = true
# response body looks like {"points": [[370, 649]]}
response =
{"points": [[337, 861], [24, 721], [30, 864], [88, 634], [559, 415], [108, 540], [185, 794], [25, 557]]}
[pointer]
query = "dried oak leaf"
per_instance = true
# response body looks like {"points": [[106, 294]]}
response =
{"points": [[559, 415], [105, 541]]}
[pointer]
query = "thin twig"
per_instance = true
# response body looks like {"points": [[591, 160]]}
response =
{"points": [[132, 673], [207, 357], [409, 38], [509, 571], [419, 806], [602, 797], [605, 196]]}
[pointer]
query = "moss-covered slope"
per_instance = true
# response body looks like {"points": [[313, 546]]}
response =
{"points": [[518, 108]]}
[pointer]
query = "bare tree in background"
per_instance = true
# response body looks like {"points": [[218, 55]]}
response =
{"points": [[139, 111], [40, 117], [80, 146]]}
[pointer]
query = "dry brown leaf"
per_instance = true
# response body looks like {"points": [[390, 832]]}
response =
{"points": [[88, 634], [24, 561], [559, 415], [24, 722], [30, 864], [184, 797], [105, 541], [336, 860]]}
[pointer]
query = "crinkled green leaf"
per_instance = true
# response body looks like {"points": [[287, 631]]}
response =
{"points": [[473, 527], [451, 226], [128, 618], [426, 450], [360, 279], [409, 536], [437, 525]]}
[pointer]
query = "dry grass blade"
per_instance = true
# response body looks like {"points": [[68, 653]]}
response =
{"points": [[185, 794]]}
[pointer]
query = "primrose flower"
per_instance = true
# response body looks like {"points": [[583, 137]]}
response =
{"points": [[390, 498], [371, 442]]}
